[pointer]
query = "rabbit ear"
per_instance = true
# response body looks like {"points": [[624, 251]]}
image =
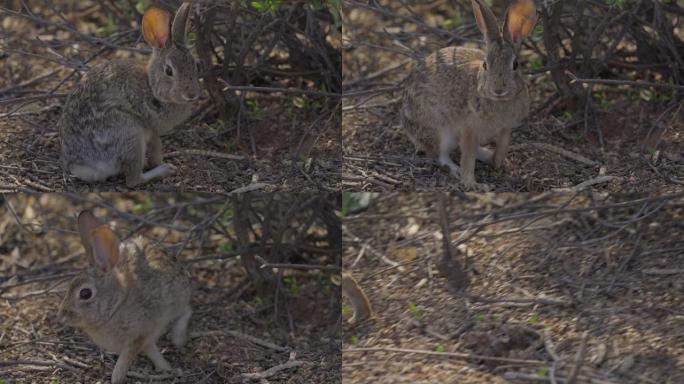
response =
{"points": [[155, 27], [486, 21], [105, 247], [179, 23], [99, 241], [86, 224], [521, 17]]}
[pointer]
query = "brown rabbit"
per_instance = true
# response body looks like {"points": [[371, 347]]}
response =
{"points": [[126, 301], [468, 97], [117, 114]]}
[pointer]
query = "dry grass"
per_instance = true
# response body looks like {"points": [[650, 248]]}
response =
{"points": [[614, 273]]}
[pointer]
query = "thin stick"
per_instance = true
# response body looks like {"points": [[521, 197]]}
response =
{"points": [[302, 266], [579, 360], [644, 84], [243, 336], [372, 91], [583, 185], [201, 152], [295, 91], [273, 370], [464, 356]]}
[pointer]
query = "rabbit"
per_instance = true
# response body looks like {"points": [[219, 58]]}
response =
{"points": [[468, 97], [128, 298], [117, 114]]}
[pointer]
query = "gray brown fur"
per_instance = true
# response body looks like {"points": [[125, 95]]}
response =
{"points": [[114, 118], [132, 305], [451, 100]]}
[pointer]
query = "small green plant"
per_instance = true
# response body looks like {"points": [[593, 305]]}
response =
{"points": [[346, 310], [291, 284], [191, 38], [334, 7], [255, 108], [145, 206], [601, 99], [565, 116], [542, 372], [307, 103], [141, 6], [266, 5], [440, 348], [354, 339], [455, 21], [538, 32], [107, 29], [647, 95], [536, 62], [217, 124], [226, 247], [534, 319], [352, 201], [414, 310], [617, 3]]}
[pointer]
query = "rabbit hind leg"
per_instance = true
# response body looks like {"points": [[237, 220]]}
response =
{"points": [[179, 332]]}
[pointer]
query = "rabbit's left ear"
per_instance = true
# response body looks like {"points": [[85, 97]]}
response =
{"points": [[520, 19], [99, 241], [105, 246], [156, 28]]}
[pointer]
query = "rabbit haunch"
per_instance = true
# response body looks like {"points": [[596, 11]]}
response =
{"points": [[462, 97], [128, 298], [114, 118]]}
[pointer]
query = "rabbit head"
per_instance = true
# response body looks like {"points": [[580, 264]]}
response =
{"points": [[499, 77], [94, 294], [172, 69]]}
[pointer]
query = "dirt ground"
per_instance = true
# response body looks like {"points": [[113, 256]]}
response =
{"points": [[644, 140], [548, 270], [283, 141], [38, 257]]}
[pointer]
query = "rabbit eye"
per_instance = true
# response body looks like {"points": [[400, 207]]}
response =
{"points": [[515, 64], [168, 70], [85, 294], [484, 65]]}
